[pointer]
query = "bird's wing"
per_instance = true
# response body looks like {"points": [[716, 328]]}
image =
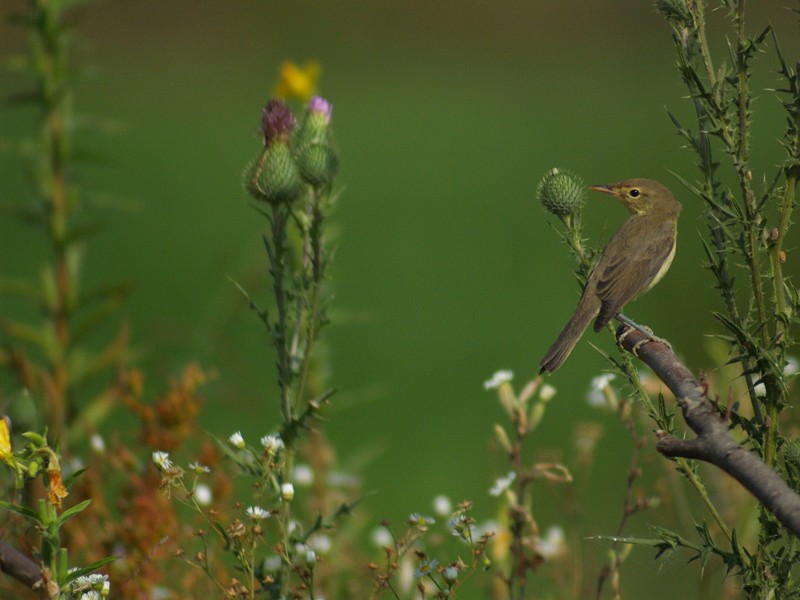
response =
{"points": [[630, 264]]}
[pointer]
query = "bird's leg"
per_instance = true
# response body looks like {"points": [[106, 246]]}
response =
{"points": [[644, 329]]}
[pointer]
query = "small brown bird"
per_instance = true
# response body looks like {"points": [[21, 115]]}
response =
{"points": [[635, 259]]}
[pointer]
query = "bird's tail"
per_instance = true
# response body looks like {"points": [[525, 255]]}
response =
{"points": [[569, 336]]}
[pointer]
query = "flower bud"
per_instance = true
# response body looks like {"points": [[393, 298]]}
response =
{"points": [[318, 119], [273, 177], [315, 155], [675, 10], [318, 164], [287, 492], [277, 122], [561, 193]]}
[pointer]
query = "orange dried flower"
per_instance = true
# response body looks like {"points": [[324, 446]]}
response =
{"points": [[56, 491]]}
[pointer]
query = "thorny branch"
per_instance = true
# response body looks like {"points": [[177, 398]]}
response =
{"points": [[714, 443]]}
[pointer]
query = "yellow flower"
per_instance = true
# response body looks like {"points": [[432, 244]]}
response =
{"points": [[297, 83], [5, 439]]}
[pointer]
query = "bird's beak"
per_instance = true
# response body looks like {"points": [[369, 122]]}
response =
{"points": [[606, 189]]}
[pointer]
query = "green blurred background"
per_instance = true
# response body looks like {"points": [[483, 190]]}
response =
{"points": [[446, 115]]}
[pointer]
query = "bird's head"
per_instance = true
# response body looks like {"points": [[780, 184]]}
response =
{"points": [[641, 196]]}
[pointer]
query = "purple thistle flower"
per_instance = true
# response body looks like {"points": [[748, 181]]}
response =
{"points": [[318, 104], [277, 121]]}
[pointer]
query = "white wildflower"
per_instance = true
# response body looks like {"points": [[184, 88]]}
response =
{"points": [[498, 379]]}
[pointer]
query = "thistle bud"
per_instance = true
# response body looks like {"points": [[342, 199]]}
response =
{"points": [[561, 193], [315, 155], [277, 122], [675, 10], [791, 453], [274, 177], [318, 119]]}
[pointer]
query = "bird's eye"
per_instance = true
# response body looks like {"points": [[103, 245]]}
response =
{"points": [[634, 193]]}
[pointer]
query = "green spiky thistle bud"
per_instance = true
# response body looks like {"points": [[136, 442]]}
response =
{"points": [[561, 193], [676, 11], [791, 453], [274, 176], [316, 157]]}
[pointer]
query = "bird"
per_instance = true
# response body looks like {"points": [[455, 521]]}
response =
{"points": [[636, 257]]}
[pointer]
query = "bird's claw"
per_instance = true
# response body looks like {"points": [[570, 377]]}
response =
{"points": [[646, 331]]}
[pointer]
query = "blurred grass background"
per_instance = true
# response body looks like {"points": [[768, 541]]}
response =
{"points": [[446, 115]]}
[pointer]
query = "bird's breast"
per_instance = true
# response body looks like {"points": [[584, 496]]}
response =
{"points": [[664, 267]]}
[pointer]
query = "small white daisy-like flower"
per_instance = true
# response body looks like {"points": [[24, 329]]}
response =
{"points": [[426, 568], [450, 574], [382, 537], [553, 543], [97, 443], [499, 378], [257, 513], [442, 506], [311, 557], [420, 520], [271, 443], [460, 527], [199, 468], [597, 389], [203, 495], [546, 392], [287, 492], [237, 440], [501, 484], [162, 460], [303, 475]]}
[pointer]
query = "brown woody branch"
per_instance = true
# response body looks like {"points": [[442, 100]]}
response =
{"points": [[19, 566], [714, 443]]}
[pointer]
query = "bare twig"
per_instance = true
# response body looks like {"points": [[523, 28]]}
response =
{"points": [[19, 566], [714, 443]]}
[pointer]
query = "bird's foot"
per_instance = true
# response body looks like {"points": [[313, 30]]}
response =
{"points": [[633, 326]]}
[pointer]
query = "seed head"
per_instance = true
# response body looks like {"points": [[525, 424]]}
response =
{"points": [[561, 193]]}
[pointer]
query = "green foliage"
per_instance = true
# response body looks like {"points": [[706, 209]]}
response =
{"points": [[57, 359]]}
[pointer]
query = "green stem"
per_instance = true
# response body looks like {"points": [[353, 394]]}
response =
{"points": [[285, 517], [314, 256], [277, 254], [49, 55], [685, 46], [776, 258]]}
